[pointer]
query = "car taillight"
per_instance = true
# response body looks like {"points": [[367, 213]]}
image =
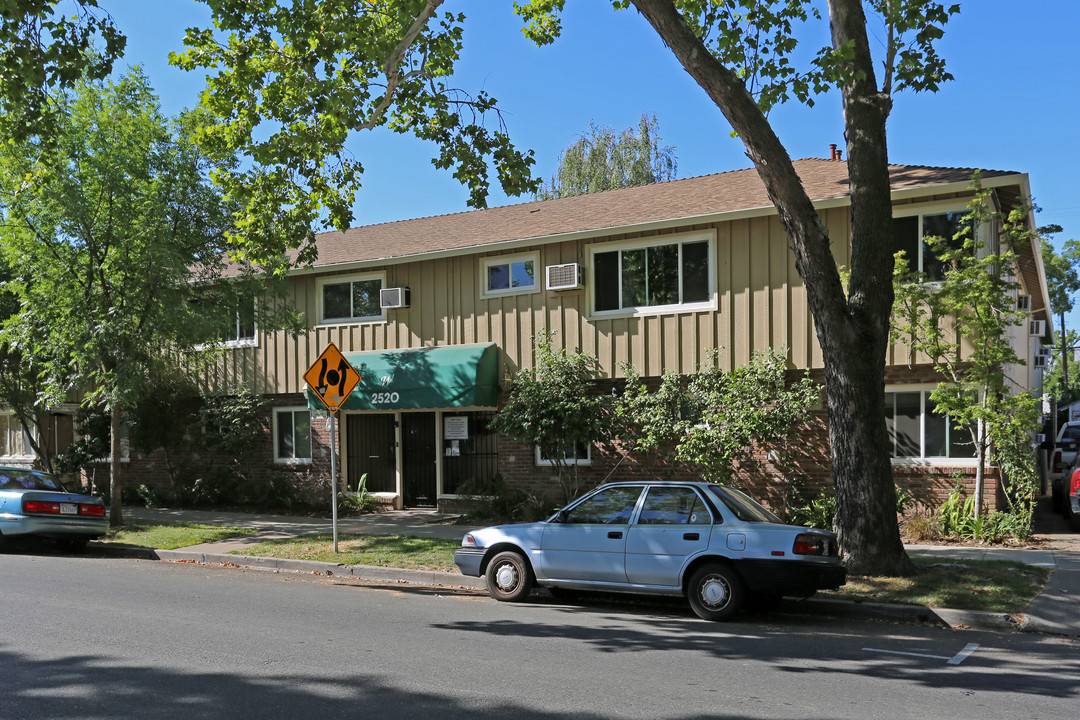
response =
{"points": [[41, 507], [1057, 464], [807, 544], [93, 510], [1074, 482]]}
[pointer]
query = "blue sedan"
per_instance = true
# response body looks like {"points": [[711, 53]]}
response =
{"points": [[714, 545], [37, 504]]}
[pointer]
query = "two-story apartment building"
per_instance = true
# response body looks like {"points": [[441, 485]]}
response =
{"points": [[438, 313]]}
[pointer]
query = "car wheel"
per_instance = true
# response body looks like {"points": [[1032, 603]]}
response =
{"points": [[74, 545], [509, 577], [715, 592]]}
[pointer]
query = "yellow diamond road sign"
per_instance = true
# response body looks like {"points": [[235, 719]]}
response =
{"points": [[332, 378]]}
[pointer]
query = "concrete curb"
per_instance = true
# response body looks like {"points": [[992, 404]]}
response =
{"points": [[912, 614], [361, 572]]}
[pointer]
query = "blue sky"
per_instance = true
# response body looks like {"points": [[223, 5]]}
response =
{"points": [[1015, 103]]}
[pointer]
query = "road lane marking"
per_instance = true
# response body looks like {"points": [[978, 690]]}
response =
{"points": [[954, 660], [898, 652], [963, 654]]}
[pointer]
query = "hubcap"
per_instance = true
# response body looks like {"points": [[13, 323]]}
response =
{"points": [[714, 592], [506, 576]]}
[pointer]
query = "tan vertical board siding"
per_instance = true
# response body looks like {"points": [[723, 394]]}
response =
{"points": [[780, 320], [742, 302], [723, 339], [802, 342], [760, 294]]}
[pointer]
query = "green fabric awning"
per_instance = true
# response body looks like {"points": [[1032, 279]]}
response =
{"points": [[433, 377]]}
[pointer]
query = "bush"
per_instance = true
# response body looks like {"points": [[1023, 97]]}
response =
{"points": [[360, 500], [494, 500]]}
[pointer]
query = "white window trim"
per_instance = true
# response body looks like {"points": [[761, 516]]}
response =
{"points": [[338, 280], [580, 462], [487, 262], [252, 341], [932, 460], [708, 236], [939, 208], [311, 425]]}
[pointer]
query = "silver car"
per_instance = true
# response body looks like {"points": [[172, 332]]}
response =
{"points": [[36, 503], [715, 545]]}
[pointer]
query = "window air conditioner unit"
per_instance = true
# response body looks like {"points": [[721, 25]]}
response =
{"points": [[563, 277], [1037, 328], [390, 298], [1040, 361], [1023, 303]]}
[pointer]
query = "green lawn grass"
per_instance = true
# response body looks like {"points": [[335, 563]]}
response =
{"points": [[169, 536], [382, 550], [991, 585]]}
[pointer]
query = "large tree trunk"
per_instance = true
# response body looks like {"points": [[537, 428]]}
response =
{"points": [[852, 329], [116, 513]]}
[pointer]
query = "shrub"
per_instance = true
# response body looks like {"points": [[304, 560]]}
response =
{"points": [[359, 500]]}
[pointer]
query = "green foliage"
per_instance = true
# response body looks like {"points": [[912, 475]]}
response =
{"points": [[964, 323], [359, 500], [91, 440], [495, 501], [230, 424], [816, 511], [44, 50], [603, 160], [760, 43], [1063, 282], [290, 83], [554, 406]]}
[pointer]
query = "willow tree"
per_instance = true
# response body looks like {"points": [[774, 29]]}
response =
{"points": [[602, 159], [290, 83]]}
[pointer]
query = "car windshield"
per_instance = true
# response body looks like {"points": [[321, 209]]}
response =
{"points": [[745, 507], [29, 480]]}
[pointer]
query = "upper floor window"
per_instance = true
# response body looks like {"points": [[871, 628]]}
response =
{"points": [[916, 430], [510, 274], [352, 298], [909, 233], [653, 275], [241, 331]]}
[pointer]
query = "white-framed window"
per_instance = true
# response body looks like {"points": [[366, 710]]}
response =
{"points": [[292, 434], [579, 454], [918, 432], [673, 273], [242, 330], [510, 274], [909, 229], [350, 298], [14, 442]]}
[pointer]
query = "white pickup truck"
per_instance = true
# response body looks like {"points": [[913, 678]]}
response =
{"points": [[1065, 449]]}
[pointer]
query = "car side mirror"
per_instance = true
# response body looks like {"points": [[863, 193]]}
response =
{"points": [[562, 516]]}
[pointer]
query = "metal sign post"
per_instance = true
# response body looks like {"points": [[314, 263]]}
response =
{"points": [[332, 379], [333, 474]]}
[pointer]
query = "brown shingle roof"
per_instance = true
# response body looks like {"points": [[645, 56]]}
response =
{"points": [[659, 202]]}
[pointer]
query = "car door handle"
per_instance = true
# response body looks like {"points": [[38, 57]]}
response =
{"points": [[615, 534], [691, 536]]}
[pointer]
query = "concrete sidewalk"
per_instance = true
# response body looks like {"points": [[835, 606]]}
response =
{"points": [[1056, 610]]}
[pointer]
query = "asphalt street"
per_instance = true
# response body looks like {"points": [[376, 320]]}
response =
{"points": [[113, 638]]}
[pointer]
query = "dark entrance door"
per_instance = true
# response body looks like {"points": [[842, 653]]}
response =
{"points": [[371, 448], [418, 458]]}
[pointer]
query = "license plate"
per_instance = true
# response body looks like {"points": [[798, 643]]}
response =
{"points": [[69, 508]]}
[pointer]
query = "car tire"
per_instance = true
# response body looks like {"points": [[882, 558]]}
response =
{"points": [[509, 577], [1074, 522], [715, 592]]}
